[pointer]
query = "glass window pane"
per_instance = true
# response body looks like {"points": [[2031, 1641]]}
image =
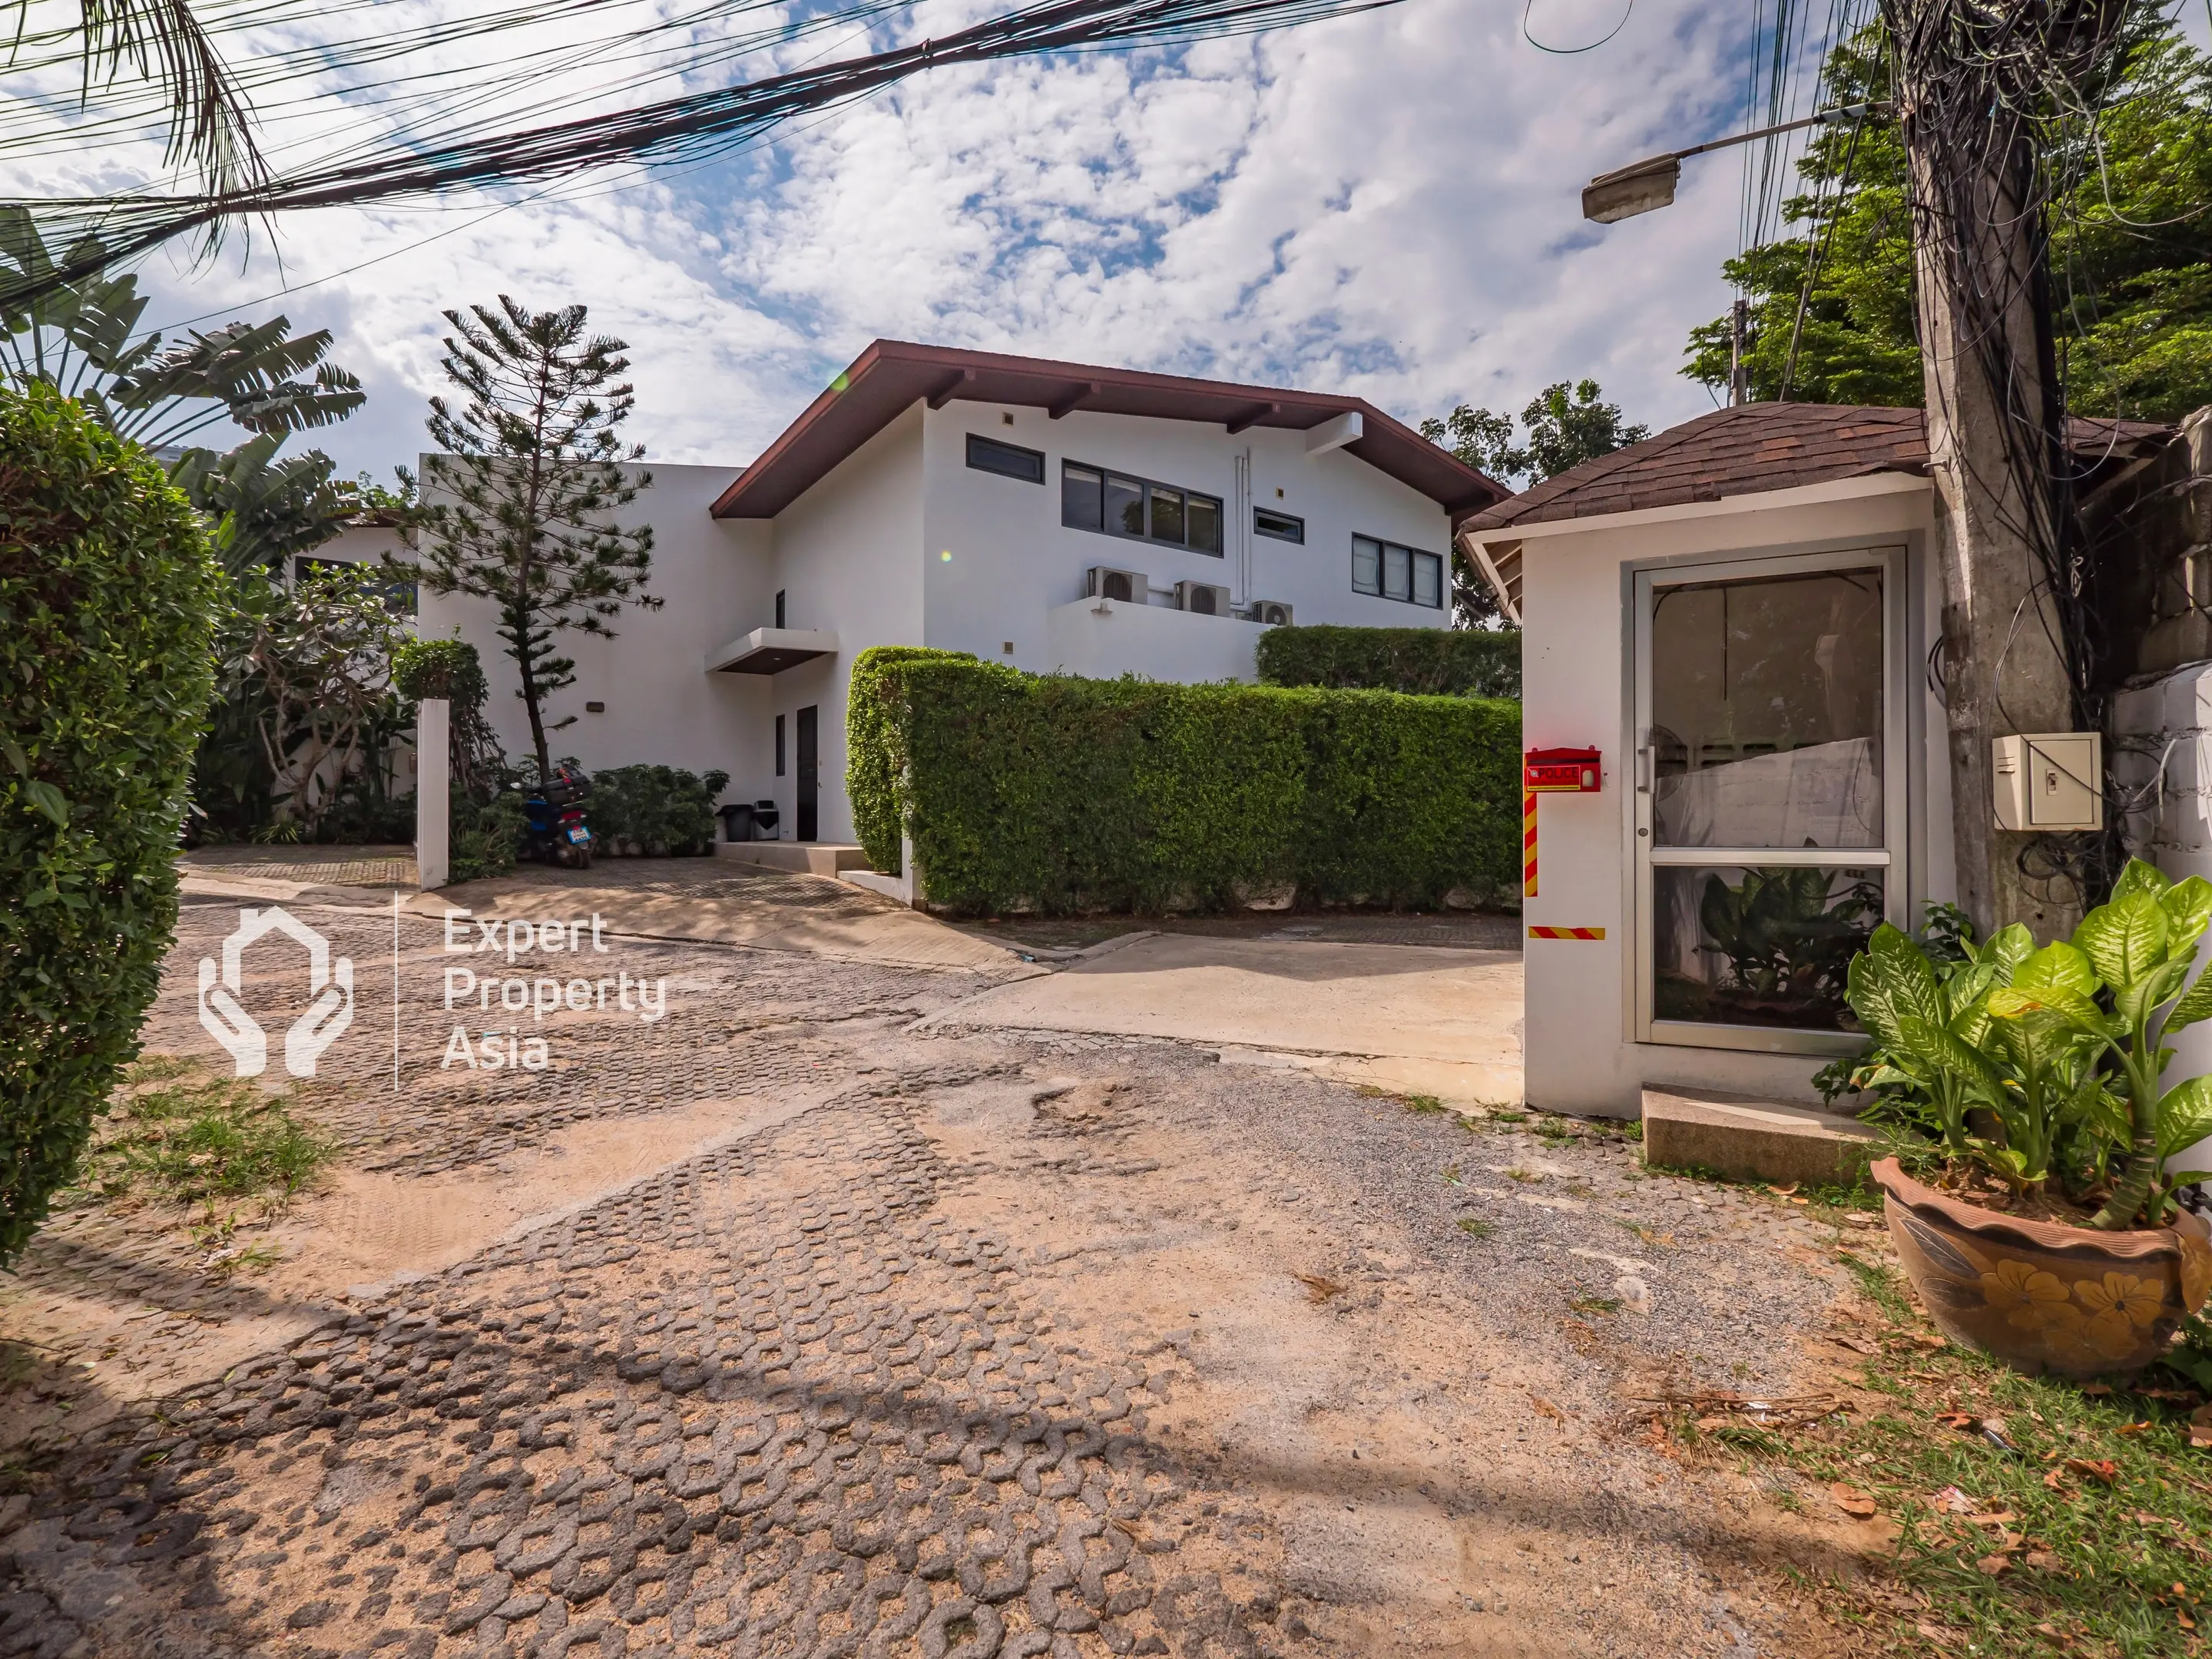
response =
{"points": [[1759, 947], [1167, 516], [1082, 498], [1125, 506], [1767, 712], [1205, 525], [1428, 581], [1008, 460], [1397, 572], [1366, 566]]}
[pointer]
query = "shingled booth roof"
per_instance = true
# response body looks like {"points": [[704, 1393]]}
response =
{"points": [[1753, 448], [892, 376]]}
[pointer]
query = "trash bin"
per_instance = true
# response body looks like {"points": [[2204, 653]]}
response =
{"points": [[737, 820], [764, 820]]}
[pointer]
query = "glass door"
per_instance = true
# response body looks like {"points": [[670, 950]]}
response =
{"points": [[1769, 804]]}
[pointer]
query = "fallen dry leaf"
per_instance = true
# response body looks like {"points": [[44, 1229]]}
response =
{"points": [[1547, 1409], [1925, 1340], [1855, 1343], [1999, 1518], [1709, 1425], [2135, 1428], [2055, 1479], [1992, 1565], [2096, 1390], [1956, 1420], [1952, 1501], [2043, 1561], [2200, 1427], [2096, 1468], [1860, 1218], [1853, 1502], [1317, 1288]]}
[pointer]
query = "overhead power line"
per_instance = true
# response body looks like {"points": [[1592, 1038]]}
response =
{"points": [[102, 231]]}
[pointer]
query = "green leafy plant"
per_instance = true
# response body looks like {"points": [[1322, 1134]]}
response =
{"points": [[107, 594], [2031, 1042], [655, 811]]}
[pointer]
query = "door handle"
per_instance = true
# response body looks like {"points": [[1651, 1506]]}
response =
{"points": [[1644, 767]]}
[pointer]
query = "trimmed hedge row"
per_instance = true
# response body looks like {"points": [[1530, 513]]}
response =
{"points": [[107, 600], [1067, 794], [1434, 662]]}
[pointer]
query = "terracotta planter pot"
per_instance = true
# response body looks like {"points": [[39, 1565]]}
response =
{"points": [[2041, 1296]]}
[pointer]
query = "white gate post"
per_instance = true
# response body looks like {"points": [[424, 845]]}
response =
{"points": [[432, 792]]}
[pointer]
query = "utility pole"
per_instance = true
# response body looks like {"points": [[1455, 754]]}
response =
{"points": [[1739, 346], [1972, 78]]}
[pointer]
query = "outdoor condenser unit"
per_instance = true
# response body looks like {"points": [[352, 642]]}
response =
{"points": [[1204, 598], [2049, 780], [1274, 612], [1107, 583]]}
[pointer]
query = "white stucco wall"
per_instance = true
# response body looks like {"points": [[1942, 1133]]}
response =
{"points": [[849, 556], [1581, 1054], [662, 709], [1104, 639], [1013, 561]]}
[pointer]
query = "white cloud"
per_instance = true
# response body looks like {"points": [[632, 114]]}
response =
{"points": [[1385, 204]]}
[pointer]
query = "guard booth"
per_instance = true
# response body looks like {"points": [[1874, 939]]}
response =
{"points": [[1731, 622]]}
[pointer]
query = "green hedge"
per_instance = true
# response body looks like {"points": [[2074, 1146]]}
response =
{"points": [[655, 812], [1434, 662], [107, 600], [1071, 795]]}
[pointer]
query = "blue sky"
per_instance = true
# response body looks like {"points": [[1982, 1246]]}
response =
{"points": [[1384, 204]]}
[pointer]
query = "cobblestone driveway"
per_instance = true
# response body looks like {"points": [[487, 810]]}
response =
{"points": [[974, 1347]]}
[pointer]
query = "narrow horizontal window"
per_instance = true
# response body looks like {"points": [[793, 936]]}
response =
{"points": [[1007, 460], [1204, 520], [1082, 497], [1429, 580], [1279, 525], [1366, 566]]}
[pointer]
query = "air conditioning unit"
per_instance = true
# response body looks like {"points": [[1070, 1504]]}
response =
{"points": [[1274, 612], [1204, 598], [1103, 582]]}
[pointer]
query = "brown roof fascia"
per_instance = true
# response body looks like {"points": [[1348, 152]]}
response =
{"points": [[890, 376]]}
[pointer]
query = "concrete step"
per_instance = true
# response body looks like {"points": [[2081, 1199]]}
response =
{"points": [[805, 858], [1752, 1139]]}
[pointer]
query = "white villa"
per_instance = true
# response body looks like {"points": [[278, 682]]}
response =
{"points": [[1054, 516]]}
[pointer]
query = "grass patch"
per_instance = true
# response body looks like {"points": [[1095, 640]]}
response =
{"points": [[1424, 1105], [1526, 1177], [1597, 1304], [1504, 1116], [176, 1136], [2034, 1516], [1816, 1198], [1476, 1227]]}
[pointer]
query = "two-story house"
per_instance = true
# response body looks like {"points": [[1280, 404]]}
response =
{"points": [[1054, 516]]}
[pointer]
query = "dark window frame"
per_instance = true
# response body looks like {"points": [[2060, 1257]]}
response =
{"points": [[779, 745], [1146, 486], [1413, 557], [1294, 533], [989, 448]]}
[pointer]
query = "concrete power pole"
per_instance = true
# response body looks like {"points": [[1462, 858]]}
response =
{"points": [[1970, 78]]}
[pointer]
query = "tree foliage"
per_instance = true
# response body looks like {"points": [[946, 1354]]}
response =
{"points": [[2130, 249], [1566, 426], [107, 593], [517, 510]]}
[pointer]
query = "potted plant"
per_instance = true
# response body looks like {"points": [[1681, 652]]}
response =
{"points": [[2053, 1237]]}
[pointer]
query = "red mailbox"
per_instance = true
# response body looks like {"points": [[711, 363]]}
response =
{"points": [[1560, 771]]}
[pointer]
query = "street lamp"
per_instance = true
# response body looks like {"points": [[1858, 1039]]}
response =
{"points": [[1641, 186]]}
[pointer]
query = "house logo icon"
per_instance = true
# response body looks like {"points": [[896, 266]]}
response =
{"points": [[329, 983]]}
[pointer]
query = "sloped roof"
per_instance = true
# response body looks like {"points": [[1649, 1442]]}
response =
{"points": [[1753, 448], [891, 376]]}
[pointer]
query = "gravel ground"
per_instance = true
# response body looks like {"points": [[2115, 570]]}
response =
{"points": [[989, 1343]]}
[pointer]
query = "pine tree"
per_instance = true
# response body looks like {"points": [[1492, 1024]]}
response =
{"points": [[518, 508]]}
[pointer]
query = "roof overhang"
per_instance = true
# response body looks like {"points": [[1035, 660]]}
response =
{"points": [[1829, 491], [771, 650], [892, 376]]}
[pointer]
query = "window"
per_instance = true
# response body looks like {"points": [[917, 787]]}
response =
{"points": [[779, 745], [1007, 460], [1279, 525], [1391, 572], [1091, 498], [779, 607]]}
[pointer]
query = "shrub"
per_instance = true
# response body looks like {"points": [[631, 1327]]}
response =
{"points": [[1067, 794], [875, 747], [1419, 661], [655, 811], [107, 594]]}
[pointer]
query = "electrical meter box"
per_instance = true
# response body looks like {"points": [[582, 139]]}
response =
{"points": [[1560, 771], [2049, 780]]}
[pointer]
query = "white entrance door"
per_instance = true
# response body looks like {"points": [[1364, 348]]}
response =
{"points": [[1769, 799]]}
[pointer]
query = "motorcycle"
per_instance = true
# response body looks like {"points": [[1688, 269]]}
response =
{"points": [[555, 829]]}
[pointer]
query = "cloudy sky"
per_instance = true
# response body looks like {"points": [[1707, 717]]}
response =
{"points": [[1384, 204]]}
